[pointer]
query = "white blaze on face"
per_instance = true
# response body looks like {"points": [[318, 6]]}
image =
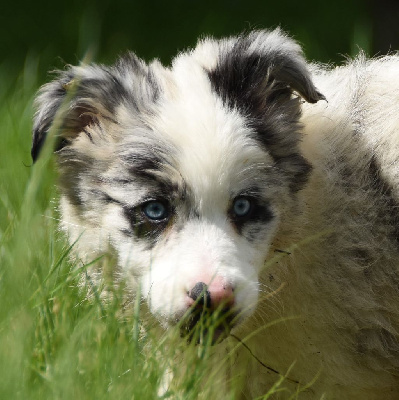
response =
{"points": [[215, 156], [213, 143], [202, 251]]}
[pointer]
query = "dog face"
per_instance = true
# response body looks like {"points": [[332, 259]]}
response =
{"points": [[183, 173]]}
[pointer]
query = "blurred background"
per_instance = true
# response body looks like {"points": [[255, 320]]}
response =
{"points": [[47, 344], [46, 35]]}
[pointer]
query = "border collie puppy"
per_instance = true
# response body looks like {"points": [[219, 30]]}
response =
{"points": [[243, 181]]}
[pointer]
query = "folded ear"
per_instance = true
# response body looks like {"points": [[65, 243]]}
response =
{"points": [[86, 95], [264, 75], [48, 102], [263, 66]]}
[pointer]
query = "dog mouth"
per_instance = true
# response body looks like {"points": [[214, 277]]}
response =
{"points": [[210, 318], [206, 322], [204, 325]]}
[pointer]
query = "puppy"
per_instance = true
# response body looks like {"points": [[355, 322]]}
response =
{"points": [[243, 181]]}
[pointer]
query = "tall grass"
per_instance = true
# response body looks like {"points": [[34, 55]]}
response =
{"points": [[54, 343]]}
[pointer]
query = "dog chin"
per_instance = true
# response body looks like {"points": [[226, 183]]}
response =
{"points": [[201, 325]]}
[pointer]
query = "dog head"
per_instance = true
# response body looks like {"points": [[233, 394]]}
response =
{"points": [[183, 173]]}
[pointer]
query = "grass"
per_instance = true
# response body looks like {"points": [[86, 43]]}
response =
{"points": [[54, 343]]}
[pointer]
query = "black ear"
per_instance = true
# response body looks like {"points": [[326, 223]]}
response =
{"points": [[264, 74], [89, 94], [48, 102], [78, 98], [261, 67]]}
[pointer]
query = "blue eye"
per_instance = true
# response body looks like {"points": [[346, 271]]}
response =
{"points": [[242, 206], [155, 210]]}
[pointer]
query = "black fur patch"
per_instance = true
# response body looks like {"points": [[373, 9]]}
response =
{"points": [[148, 164], [250, 225], [143, 228], [260, 83], [144, 161], [48, 103], [81, 98]]}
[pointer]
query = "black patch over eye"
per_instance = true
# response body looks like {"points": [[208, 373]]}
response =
{"points": [[248, 211], [149, 219]]}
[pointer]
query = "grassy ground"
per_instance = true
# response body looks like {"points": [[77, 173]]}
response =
{"points": [[54, 344]]}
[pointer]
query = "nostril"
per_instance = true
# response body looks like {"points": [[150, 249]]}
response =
{"points": [[200, 294]]}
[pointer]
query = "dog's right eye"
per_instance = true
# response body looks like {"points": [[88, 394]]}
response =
{"points": [[155, 210]]}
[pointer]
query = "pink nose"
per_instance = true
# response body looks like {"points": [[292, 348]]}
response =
{"points": [[213, 295]]}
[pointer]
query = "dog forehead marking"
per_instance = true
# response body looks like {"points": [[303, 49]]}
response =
{"points": [[213, 143]]}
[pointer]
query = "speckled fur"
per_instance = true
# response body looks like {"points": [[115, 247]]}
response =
{"points": [[316, 272]]}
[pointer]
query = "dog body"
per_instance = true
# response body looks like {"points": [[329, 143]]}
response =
{"points": [[243, 172], [346, 282]]}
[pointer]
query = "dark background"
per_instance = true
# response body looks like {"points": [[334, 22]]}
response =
{"points": [[48, 34]]}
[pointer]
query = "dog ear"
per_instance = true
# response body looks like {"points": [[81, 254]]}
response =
{"points": [[48, 102], [264, 75], [262, 67], [85, 95], [69, 104]]}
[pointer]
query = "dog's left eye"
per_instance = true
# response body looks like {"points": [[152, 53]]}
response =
{"points": [[242, 206], [155, 210]]}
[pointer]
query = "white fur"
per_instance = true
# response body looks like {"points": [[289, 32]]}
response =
{"points": [[325, 266]]}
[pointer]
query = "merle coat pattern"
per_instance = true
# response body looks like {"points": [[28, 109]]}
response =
{"points": [[268, 183]]}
